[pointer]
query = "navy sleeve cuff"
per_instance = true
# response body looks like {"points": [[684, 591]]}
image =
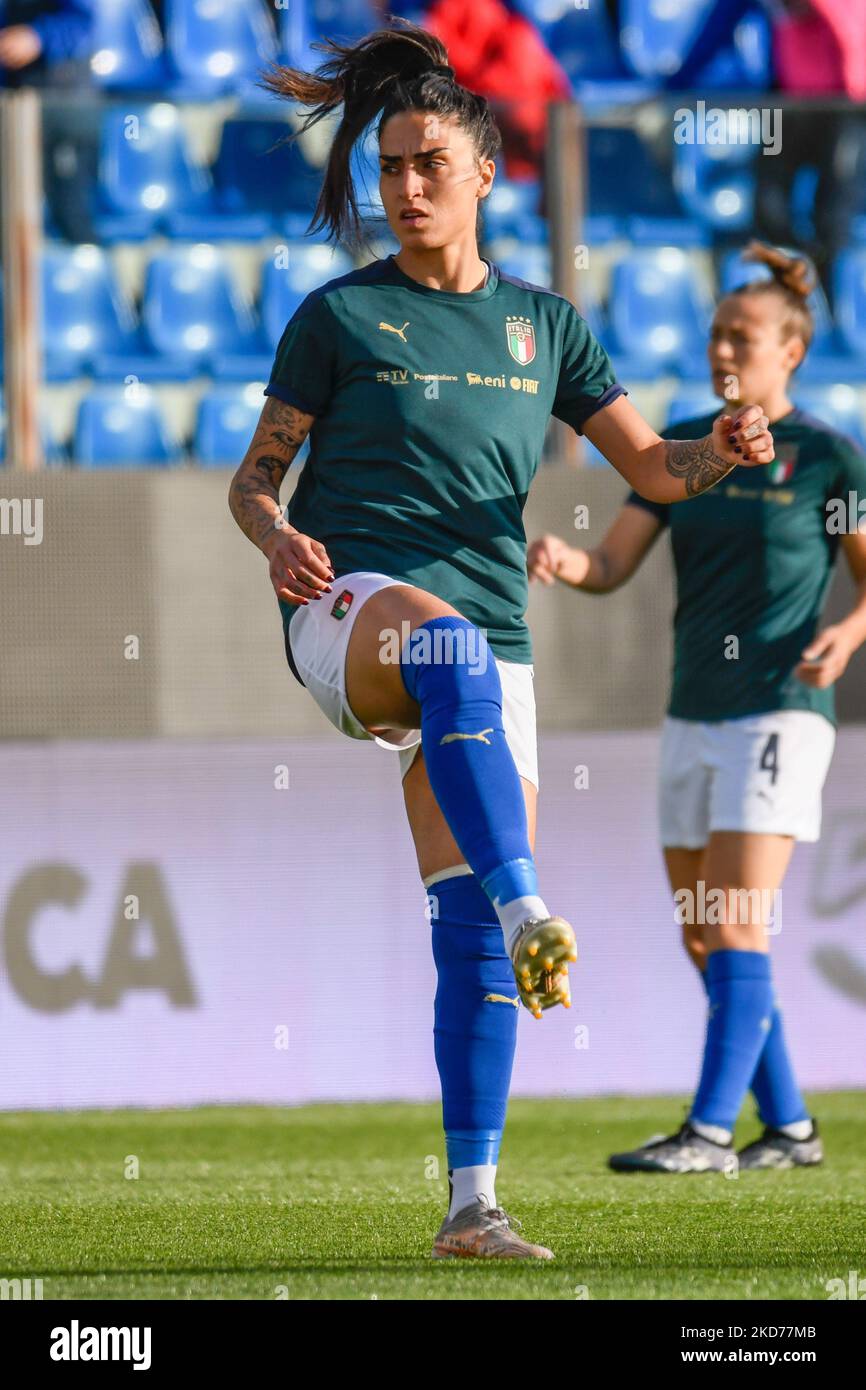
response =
{"points": [[290, 397], [604, 399], [657, 509]]}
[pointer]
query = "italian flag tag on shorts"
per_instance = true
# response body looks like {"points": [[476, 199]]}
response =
{"points": [[342, 604]]}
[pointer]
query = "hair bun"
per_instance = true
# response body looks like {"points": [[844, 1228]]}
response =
{"points": [[793, 273]]}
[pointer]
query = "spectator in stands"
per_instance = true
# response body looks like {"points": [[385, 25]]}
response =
{"points": [[44, 41], [497, 52], [47, 44], [819, 49]]}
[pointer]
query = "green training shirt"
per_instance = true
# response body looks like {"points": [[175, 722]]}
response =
{"points": [[754, 558], [431, 410]]}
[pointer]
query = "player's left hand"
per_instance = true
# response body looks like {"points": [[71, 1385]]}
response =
{"points": [[825, 659], [744, 438], [20, 45]]}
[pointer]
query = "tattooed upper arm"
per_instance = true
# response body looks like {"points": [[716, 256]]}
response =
{"points": [[696, 462], [279, 435]]}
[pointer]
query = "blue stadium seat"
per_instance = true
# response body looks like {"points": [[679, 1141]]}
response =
{"points": [[646, 192], [117, 427], [348, 20], [742, 63], [697, 44], [511, 209], [667, 231], [586, 46], [658, 313], [257, 189], [656, 39], [837, 405], [192, 309], [583, 41], [145, 173], [717, 182], [849, 292], [686, 404], [284, 287], [192, 312], [128, 50], [530, 263], [84, 312], [219, 47], [225, 424]]}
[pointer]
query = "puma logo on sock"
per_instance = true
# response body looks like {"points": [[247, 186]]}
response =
{"points": [[450, 738]]}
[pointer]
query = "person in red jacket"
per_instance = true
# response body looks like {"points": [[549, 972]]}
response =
{"points": [[500, 54]]}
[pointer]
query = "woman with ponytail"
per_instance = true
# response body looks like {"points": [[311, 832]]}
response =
{"points": [[425, 382], [750, 729]]}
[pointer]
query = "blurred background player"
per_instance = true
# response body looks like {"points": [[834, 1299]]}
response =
{"points": [[750, 729], [426, 381]]}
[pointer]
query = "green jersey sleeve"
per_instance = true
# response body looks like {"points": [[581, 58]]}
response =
{"points": [[586, 378], [304, 367]]}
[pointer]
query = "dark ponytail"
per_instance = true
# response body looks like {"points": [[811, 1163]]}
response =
{"points": [[390, 70]]}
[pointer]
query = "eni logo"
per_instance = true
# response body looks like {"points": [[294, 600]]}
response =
{"points": [[452, 738], [389, 328]]}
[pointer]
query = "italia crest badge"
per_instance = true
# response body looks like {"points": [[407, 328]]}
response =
{"points": [[782, 468], [521, 338]]}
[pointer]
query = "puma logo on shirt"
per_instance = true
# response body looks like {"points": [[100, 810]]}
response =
{"points": [[389, 328]]}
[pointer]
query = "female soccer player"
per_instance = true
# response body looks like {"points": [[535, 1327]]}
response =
{"points": [[750, 727], [426, 381]]}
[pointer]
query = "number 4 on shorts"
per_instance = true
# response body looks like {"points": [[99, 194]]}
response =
{"points": [[770, 758]]}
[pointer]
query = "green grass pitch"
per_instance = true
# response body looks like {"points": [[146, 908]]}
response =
{"points": [[344, 1201]]}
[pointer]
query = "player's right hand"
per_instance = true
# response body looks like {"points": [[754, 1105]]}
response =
{"points": [[299, 567], [544, 558]]}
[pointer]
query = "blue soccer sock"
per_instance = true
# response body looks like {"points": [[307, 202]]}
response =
{"points": [[740, 994], [780, 1101], [474, 1034], [448, 668]]}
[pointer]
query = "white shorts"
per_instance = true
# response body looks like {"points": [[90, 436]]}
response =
{"points": [[320, 639], [761, 774]]}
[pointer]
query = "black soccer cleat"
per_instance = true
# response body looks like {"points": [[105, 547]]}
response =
{"points": [[777, 1150], [683, 1152]]}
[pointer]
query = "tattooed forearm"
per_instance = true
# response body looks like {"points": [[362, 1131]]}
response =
{"points": [[695, 461], [254, 495]]}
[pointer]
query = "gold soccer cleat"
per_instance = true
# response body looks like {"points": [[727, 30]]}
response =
{"points": [[540, 959]]}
